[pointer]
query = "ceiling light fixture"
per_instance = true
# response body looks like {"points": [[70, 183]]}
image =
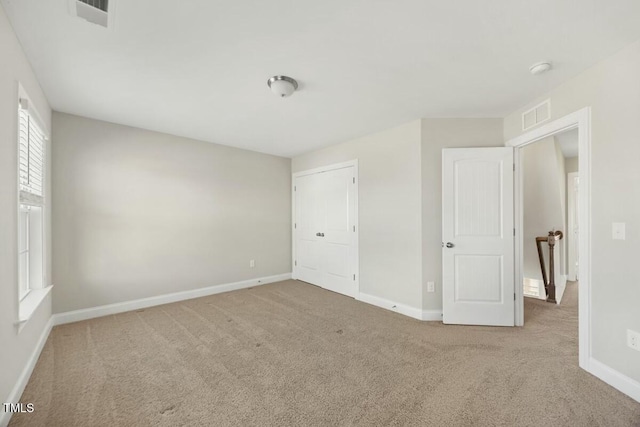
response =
{"points": [[539, 68], [282, 85]]}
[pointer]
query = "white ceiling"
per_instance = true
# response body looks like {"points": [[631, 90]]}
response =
{"points": [[198, 68]]}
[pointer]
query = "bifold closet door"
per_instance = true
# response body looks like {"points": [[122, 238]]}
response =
{"points": [[308, 223], [325, 230]]}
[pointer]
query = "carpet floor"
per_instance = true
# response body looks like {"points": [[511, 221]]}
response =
{"points": [[290, 353]]}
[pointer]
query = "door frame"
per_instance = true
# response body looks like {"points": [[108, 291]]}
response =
{"points": [[580, 120], [321, 169]]}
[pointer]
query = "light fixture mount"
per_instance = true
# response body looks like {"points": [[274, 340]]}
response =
{"points": [[282, 85], [540, 67]]}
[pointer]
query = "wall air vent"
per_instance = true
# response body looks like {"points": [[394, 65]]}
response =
{"points": [[103, 5], [99, 12], [538, 114]]}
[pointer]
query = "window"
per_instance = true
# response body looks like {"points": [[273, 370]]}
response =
{"points": [[31, 160], [31, 177]]}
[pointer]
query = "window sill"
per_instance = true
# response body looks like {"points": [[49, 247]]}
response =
{"points": [[30, 304]]}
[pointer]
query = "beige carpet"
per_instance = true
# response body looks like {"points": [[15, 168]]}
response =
{"points": [[293, 354]]}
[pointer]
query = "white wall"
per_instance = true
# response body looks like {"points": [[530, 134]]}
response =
{"points": [[389, 208], [138, 214], [571, 164], [437, 134], [544, 191], [612, 89], [16, 347]]}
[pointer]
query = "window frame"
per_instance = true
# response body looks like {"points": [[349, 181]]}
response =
{"points": [[29, 299], [24, 283]]}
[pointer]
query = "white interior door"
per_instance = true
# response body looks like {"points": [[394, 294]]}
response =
{"points": [[478, 236], [325, 232]]}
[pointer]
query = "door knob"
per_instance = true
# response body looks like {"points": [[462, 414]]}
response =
{"points": [[450, 245], [320, 234]]}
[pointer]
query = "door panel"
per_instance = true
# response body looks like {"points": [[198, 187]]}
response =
{"points": [[338, 189], [309, 255], [478, 267], [337, 261], [478, 193], [478, 278]]}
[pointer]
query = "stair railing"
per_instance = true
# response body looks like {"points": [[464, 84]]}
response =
{"points": [[549, 282]]}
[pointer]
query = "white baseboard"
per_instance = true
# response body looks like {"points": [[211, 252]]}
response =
{"points": [[23, 379], [615, 379], [432, 315], [561, 286], [416, 313], [121, 307]]}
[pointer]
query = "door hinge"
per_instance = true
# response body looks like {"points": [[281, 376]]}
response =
{"points": [[514, 167], [354, 179], [295, 263], [354, 277], [354, 228], [514, 297], [295, 225], [295, 188], [514, 232]]}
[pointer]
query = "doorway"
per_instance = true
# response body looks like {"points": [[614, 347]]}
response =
{"points": [[548, 206], [580, 121], [325, 227]]}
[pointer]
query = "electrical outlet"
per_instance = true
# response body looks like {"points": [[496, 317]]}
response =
{"points": [[633, 339], [252, 263], [431, 286]]}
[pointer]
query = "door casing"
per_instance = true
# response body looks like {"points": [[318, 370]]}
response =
{"points": [[580, 120]]}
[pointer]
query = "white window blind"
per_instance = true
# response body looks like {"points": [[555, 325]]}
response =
{"points": [[31, 158]]}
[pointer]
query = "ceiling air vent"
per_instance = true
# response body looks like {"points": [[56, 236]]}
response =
{"points": [[98, 12]]}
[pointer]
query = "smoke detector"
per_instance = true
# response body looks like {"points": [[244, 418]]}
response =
{"points": [[99, 12], [539, 68]]}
